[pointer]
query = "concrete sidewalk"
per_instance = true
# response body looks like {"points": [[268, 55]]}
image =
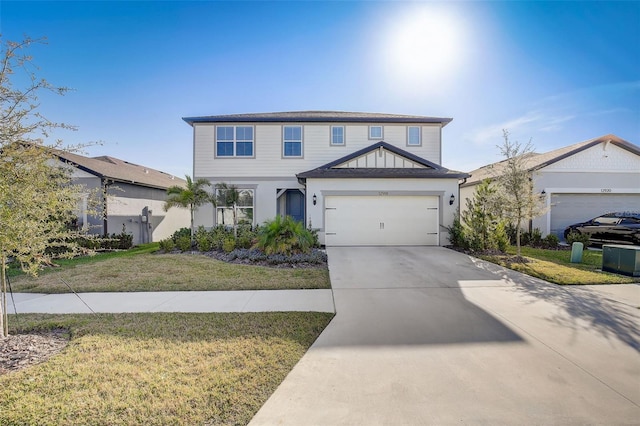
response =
{"points": [[175, 301]]}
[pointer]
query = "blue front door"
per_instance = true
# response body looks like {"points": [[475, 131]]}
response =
{"points": [[295, 205]]}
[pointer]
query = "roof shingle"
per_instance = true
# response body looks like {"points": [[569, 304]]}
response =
{"points": [[317, 116]]}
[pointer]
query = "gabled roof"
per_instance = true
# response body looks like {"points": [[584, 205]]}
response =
{"points": [[317, 117], [118, 170], [336, 169], [535, 161]]}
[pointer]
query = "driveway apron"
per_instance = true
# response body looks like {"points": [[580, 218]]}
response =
{"points": [[425, 335]]}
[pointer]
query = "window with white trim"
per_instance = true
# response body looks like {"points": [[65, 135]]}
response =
{"points": [[337, 135], [375, 132], [234, 205], [292, 141], [413, 136], [234, 141]]}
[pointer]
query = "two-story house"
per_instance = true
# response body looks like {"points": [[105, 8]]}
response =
{"points": [[358, 178]]}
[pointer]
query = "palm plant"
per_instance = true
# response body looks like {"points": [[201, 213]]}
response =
{"points": [[192, 196], [285, 236], [228, 196]]}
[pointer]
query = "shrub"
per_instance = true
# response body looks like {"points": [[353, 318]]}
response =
{"points": [[203, 239], [247, 236], [456, 234], [182, 232], [218, 236], [551, 241], [167, 245], [499, 238], [184, 242], [578, 237], [229, 244], [284, 236], [535, 238]]}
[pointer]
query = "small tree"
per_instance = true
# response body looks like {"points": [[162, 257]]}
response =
{"points": [[37, 198], [482, 227], [229, 196], [518, 202], [191, 197]]}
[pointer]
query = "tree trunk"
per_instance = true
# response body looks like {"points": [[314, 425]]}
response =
{"points": [[191, 211], [4, 326], [518, 239]]}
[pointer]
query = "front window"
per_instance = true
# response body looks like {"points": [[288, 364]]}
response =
{"points": [[292, 141], [234, 206], [413, 136], [375, 132], [337, 135], [234, 141]]}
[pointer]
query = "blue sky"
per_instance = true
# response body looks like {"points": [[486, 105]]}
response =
{"points": [[553, 72]]}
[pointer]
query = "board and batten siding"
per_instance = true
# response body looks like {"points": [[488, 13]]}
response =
{"points": [[317, 150]]}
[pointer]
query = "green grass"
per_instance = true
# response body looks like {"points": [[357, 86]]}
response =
{"points": [[15, 271], [167, 272], [555, 266], [157, 369]]}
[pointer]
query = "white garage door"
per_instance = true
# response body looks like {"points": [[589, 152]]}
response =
{"points": [[381, 220], [567, 209]]}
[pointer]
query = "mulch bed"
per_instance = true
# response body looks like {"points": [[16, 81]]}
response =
{"points": [[23, 350]]}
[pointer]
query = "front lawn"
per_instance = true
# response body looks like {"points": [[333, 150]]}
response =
{"points": [[167, 272], [555, 266], [157, 369]]}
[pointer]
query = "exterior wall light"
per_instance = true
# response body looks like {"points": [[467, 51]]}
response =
{"points": [[543, 193], [315, 199], [452, 199]]}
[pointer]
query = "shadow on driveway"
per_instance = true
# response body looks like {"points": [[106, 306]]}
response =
{"points": [[407, 296], [579, 308]]}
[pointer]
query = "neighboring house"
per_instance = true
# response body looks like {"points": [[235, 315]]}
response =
{"points": [[579, 182], [132, 198], [357, 178]]}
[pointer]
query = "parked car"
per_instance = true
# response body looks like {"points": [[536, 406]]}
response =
{"points": [[618, 228]]}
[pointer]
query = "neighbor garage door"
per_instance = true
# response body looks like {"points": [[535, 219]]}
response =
{"points": [[381, 220], [567, 209]]}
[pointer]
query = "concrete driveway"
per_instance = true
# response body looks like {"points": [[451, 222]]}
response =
{"points": [[425, 335]]}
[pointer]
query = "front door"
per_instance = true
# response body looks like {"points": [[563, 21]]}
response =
{"points": [[295, 205]]}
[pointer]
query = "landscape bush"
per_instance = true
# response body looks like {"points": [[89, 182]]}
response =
{"points": [[578, 237], [184, 242], [284, 236], [551, 241], [285, 242]]}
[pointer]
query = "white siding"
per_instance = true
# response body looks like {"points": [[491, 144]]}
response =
{"points": [[269, 162], [602, 158]]}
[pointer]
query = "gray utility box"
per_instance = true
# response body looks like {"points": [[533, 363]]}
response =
{"points": [[621, 259]]}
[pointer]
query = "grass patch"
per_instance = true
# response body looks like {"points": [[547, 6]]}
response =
{"points": [[15, 271], [555, 266], [169, 272], [157, 369]]}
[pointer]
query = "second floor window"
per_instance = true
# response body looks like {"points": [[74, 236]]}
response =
{"points": [[375, 132], [413, 136], [234, 141], [337, 135], [292, 141]]}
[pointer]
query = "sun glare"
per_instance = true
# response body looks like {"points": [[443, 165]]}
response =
{"points": [[423, 47]]}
